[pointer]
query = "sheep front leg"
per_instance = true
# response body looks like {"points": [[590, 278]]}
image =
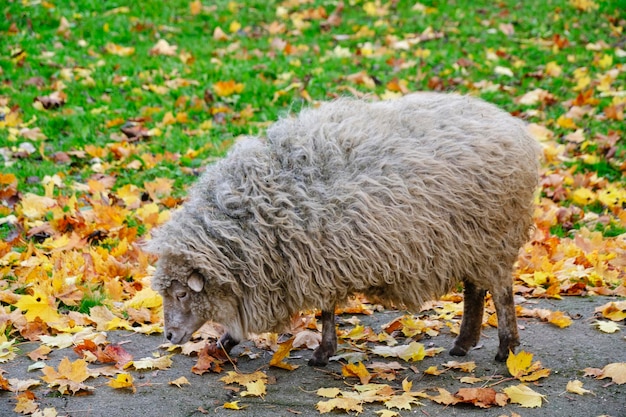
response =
{"points": [[227, 342], [507, 322], [473, 306], [328, 345]]}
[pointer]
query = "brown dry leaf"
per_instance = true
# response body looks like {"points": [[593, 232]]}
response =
{"points": [[41, 353], [69, 377], [461, 366], [615, 371], [445, 397], [482, 397], [180, 381], [195, 7], [209, 360], [280, 355], [51, 101], [26, 403]]}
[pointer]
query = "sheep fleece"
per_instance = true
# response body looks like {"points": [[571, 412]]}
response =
{"points": [[399, 200]]}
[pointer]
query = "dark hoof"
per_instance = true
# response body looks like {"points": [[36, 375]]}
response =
{"points": [[502, 357], [318, 361], [458, 351]]}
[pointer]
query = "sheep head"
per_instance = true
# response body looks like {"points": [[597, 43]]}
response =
{"points": [[191, 298]]}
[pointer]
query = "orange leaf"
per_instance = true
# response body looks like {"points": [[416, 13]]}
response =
{"points": [[283, 352], [357, 370], [227, 88]]}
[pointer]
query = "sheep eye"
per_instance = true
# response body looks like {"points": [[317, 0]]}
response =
{"points": [[180, 294]]}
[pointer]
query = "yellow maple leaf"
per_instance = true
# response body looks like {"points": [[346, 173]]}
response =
{"points": [[243, 379], [615, 311], [524, 396], [279, 356], [233, 405], [328, 392], [520, 366], [346, 404], [559, 319], [583, 196], [576, 387], [402, 401], [122, 381], [357, 370], [387, 413], [432, 370], [38, 305], [254, 389], [227, 88]]}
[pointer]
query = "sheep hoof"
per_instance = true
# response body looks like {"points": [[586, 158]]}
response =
{"points": [[502, 357], [317, 362], [458, 351]]}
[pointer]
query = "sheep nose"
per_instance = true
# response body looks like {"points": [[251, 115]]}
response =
{"points": [[169, 335]]}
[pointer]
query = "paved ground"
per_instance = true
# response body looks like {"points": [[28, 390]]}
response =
{"points": [[565, 351]]}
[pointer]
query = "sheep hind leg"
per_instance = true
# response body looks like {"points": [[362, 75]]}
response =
{"points": [[227, 342], [473, 306], [507, 322], [328, 345]]}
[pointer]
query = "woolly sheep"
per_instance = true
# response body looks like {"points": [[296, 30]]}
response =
{"points": [[399, 200]]}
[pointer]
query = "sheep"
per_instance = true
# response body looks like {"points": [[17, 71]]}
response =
{"points": [[398, 200]]}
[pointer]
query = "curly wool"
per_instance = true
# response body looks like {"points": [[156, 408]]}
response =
{"points": [[398, 200]]}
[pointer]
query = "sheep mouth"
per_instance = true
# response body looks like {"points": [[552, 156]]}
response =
{"points": [[176, 337]]}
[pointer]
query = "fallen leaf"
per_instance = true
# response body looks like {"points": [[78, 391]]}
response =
{"points": [[280, 355], [180, 381], [122, 381], [607, 326], [357, 370], [254, 389], [576, 387], [615, 371], [69, 377], [234, 405], [524, 396]]}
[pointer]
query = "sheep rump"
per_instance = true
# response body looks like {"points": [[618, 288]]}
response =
{"points": [[399, 200]]}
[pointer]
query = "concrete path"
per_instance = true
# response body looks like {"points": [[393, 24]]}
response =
{"points": [[291, 393]]}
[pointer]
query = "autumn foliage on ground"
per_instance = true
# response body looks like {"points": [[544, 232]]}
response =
{"points": [[107, 114]]}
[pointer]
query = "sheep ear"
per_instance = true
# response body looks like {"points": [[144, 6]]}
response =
{"points": [[196, 282]]}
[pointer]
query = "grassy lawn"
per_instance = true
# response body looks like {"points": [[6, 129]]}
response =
{"points": [[110, 109]]}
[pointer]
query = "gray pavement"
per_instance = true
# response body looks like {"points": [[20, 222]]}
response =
{"points": [[291, 393]]}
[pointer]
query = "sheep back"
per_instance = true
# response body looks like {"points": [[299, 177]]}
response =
{"points": [[399, 200]]}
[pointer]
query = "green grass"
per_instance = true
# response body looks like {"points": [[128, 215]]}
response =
{"points": [[102, 87]]}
